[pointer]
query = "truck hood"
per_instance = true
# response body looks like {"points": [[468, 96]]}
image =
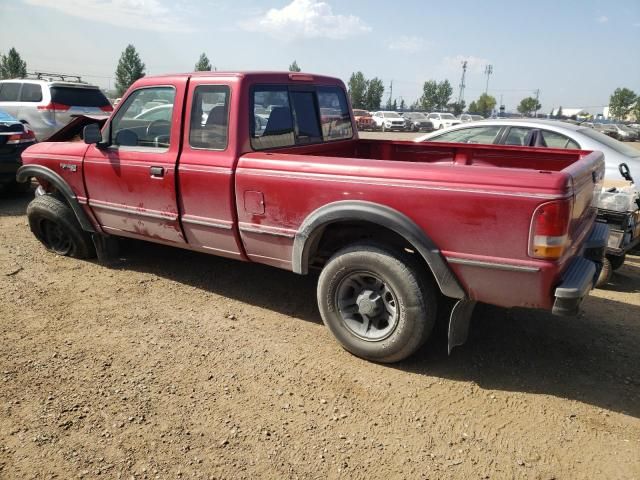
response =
{"points": [[74, 128]]}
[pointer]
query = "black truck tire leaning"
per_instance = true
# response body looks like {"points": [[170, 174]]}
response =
{"points": [[55, 225], [376, 302]]}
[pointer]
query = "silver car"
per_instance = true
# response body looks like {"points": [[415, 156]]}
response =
{"points": [[47, 106], [545, 133]]}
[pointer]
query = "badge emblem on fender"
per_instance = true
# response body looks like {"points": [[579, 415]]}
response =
{"points": [[69, 166]]}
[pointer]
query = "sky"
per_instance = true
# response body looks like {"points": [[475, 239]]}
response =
{"points": [[576, 53]]}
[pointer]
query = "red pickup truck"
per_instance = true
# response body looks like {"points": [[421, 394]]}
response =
{"points": [[248, 166]]}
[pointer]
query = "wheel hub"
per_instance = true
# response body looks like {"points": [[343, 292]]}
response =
{"points": [[369, 303]]}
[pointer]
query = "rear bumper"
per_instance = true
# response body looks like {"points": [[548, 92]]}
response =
{"points": [[581, 274]]}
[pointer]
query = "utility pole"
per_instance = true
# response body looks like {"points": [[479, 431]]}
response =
{"points": [[390, 91], [537, 92], [501, 106], [462, 85], [488, 70]]}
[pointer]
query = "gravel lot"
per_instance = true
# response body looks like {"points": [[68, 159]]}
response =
{"points": [[180, 365]]}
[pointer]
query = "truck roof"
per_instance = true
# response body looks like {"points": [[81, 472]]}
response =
{"points": [[267, 76]]}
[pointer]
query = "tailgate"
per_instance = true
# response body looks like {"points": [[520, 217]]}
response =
{"points": [[586, 182]]}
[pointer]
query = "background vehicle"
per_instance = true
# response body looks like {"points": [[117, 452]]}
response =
{"points": [[608, 129], [389, 121], [625, 134], [387, 223], [46, 106], [417, 121], [443, 120], [544, 133], [364, 120], [14, 139], [467, 117]]}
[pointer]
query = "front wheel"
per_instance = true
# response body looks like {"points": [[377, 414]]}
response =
{"points": [[616, 261], [376, 302], [55, 225]]}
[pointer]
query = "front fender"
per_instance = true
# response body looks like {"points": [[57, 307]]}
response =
{"points": [[27, 171]]}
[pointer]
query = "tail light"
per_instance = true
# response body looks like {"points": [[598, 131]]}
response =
{"points": [[548, 238], [25, 137], [54, 107], [107, 108]]}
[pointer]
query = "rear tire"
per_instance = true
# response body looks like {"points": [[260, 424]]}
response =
{"points": [[376, 302], [55, 225]]}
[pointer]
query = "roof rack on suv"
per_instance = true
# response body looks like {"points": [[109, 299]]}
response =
{"points": [[55, 76]]}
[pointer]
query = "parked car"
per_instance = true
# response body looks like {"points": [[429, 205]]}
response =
{"points": [[46, 106], [467, 117], [392, 226], [364, 120], [443, 120], [389, 121], [625, 134], [14, 139], [608, 129], [159, 112], [417, 122], [545, 133]]}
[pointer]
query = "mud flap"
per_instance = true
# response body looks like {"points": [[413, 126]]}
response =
{"points": [[459, 322], [107, 248]]}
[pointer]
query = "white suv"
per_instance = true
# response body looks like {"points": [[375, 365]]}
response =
{"points": [[443, 120], [386, 121], [47, 106]]}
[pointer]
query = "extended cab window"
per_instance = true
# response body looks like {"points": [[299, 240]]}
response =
{"points": [[209, 117], [145, 119], [284, 117]]}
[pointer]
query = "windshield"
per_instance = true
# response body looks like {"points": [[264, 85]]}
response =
{"points": [[624, 128], [447, 116], [391, 115], [611, 142], [417, 116], [361, 113]]}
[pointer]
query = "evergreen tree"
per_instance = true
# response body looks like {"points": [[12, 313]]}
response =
{"points": [[358, 90], [130, 68], [294, 67], [12, 65], [203, 65]]}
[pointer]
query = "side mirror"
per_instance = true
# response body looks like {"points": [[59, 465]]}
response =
{"points": [[92, 134]]}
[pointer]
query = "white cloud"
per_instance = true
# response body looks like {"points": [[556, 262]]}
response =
{"points": [[474, 64], [602, 19], [306, 19], [405, 43], [139, 14]]}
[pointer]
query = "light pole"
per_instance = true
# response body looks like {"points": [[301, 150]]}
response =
{"points": [[488, 70]]}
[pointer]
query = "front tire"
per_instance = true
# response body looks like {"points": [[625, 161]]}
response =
{"points": [[55, 225], [616, 261], [376, 302]]}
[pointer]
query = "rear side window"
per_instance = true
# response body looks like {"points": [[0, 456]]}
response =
{"points": [[284, 117], [9, 92], [31, 92], [209, 117], [557, 140], [78, 97]]}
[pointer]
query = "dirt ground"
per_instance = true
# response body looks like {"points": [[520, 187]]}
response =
{"points": [[180, 365]]}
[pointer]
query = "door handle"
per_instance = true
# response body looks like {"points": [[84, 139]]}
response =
{"points": [[157, 172]]}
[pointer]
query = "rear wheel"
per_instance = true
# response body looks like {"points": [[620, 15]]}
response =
{"points": [[376, 302], [55, 225]]}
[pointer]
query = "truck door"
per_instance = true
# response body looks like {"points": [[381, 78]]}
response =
{"points": [[205, 170], [131, 183]]}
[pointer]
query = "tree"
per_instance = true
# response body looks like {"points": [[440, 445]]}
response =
{"points": [[473, 107], [485, 105], [559, 112], [12, 65], [456, 108], [130, 68], [394, 106], [403, 105], [443, 94], [528, 105], [429, 98], [294, 67], [621, 103], [373, 97], [203, 65], [358, 90]]}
